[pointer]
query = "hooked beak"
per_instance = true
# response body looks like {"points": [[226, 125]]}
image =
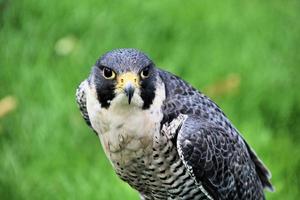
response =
{"points": [[129, 91], [128, 82]]}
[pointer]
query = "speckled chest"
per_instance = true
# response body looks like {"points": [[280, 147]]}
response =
{"points": [[160, 174], [129, 135]]}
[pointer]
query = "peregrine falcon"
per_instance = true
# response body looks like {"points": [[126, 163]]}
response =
{"points": [[163, 137]]}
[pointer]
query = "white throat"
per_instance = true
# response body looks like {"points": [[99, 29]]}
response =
{"points": [[126, 131]]}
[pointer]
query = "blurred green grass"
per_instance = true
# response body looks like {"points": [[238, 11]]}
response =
{"points": [[47, 48]]}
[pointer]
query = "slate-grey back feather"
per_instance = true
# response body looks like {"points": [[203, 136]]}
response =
{"points": [[211, 146]]}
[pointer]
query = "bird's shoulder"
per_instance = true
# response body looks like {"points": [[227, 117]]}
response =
{"points": [[182, 98], [82, 102]]}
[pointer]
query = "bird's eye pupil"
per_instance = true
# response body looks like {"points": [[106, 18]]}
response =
{"points": [[108, 72], [145, 72]]}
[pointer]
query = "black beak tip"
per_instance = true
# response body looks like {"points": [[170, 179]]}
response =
{"points": [[129, 93], [129, 100]]}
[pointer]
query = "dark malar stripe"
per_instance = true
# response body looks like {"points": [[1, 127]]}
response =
{"points": [[148, 91]]}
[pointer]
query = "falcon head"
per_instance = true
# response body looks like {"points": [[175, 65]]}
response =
{"points": [[126, 76]]}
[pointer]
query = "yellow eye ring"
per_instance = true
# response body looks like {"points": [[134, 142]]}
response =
{"points": [[145, 73], [108, 73]]}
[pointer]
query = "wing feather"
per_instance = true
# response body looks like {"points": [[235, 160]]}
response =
{"points": [[219, 162]]}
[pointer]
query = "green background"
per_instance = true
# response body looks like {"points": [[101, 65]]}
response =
{"points": [[247, 51]]}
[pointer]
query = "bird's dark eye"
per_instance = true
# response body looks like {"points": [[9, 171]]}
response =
{"points": [[108, 73], [145, 72]]}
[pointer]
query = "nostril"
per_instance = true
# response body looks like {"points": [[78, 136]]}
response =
{"points": [[122, 80], [135, 80]]}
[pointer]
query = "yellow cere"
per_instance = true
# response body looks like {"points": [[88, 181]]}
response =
{"points": [[127, 77]]}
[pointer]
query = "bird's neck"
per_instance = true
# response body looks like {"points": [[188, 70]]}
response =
{"points": [[127, 131]]}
